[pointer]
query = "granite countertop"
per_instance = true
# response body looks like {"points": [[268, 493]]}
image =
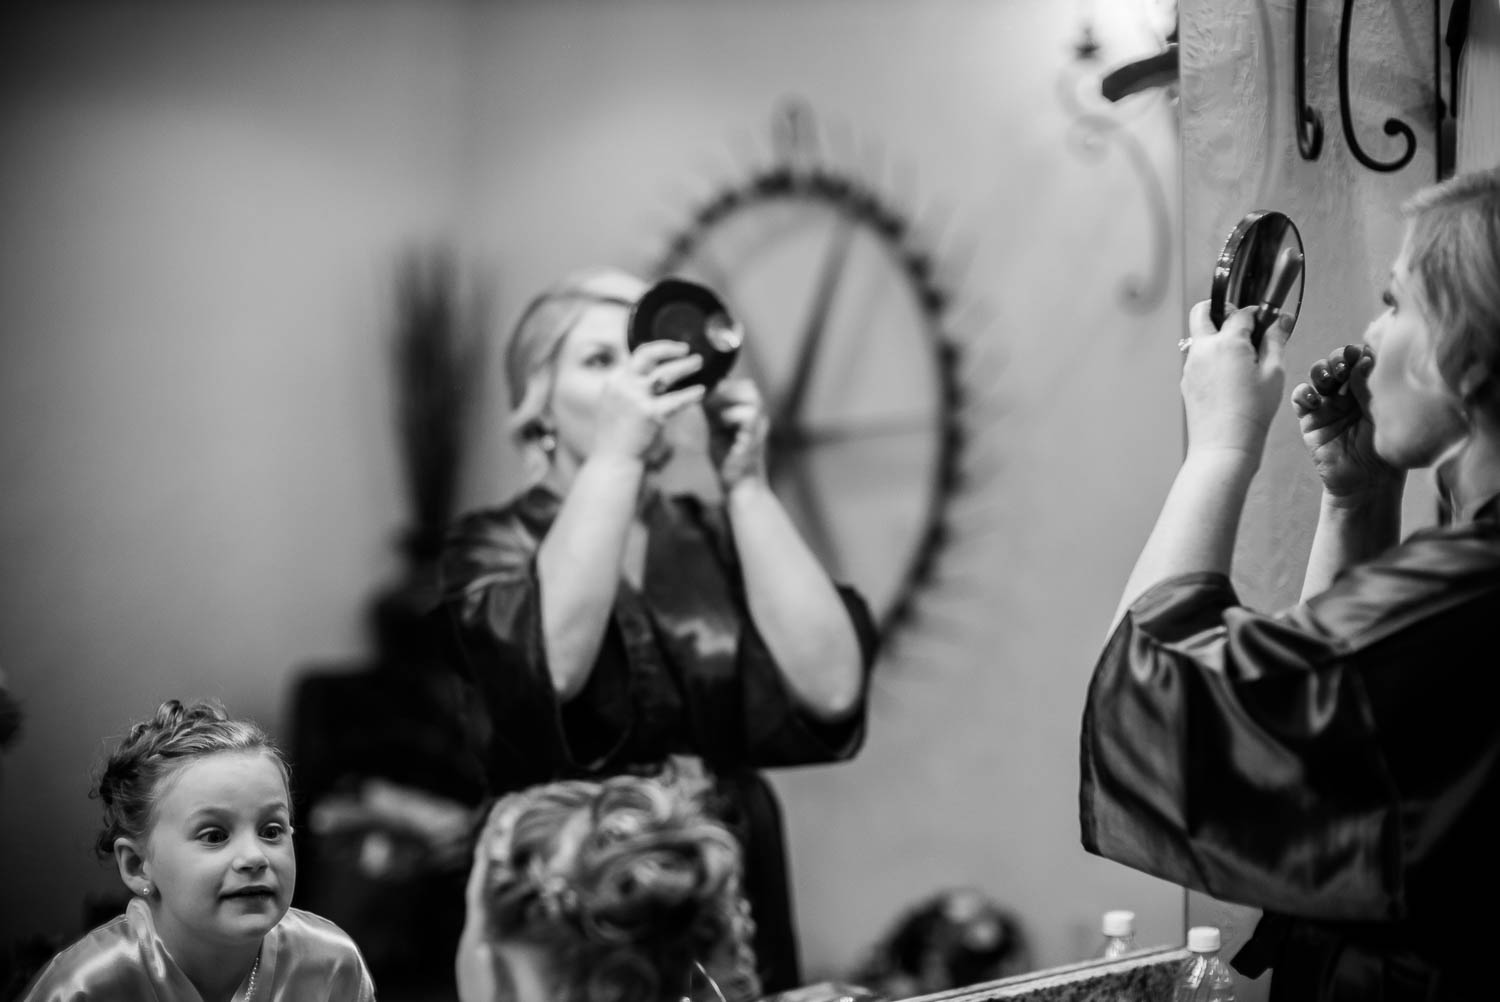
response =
{"points": [[1141, 976]]}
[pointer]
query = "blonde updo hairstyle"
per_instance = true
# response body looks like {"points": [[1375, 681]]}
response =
{"points": [[1453, 252], [531, 353], [154, 749], [629, 890]]}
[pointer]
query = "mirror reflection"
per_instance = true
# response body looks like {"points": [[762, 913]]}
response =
{"points": [[260, 326]]}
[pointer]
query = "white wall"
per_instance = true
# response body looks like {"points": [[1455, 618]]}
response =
{"points": [[202, 205]]}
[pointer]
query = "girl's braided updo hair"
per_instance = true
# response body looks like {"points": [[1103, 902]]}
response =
{"points": [[629, 888], [155, 748]]}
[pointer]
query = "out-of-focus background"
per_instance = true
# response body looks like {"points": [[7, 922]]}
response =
{"points": [[207, 206]]}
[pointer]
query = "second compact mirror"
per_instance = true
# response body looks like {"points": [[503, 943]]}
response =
{"points": [[675, 309]]}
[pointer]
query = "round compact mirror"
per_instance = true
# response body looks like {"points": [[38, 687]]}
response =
{"points": [[678, 310], [1261, 265]]}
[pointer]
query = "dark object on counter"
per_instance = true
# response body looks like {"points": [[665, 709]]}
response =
{"points": [[953, 938], [10, 717]]}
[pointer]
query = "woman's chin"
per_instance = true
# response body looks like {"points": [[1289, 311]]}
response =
{"points": [[1392, 452], [1413, 452]]}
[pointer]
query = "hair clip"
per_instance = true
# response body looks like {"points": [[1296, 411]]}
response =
{"points": [[698, 966], [621, 825], [558, 897]]}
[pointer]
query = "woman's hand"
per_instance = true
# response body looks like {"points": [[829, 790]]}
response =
{"points": [[1336, 427], [1229, 393], [737, 430], [635, 402]]}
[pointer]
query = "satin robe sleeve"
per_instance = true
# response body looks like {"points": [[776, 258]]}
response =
{"points": [[492, 604], [1234, 753], [492, 599], [305, 958], [1312, 762], [315, 961], [112, 961], [778, 730]]}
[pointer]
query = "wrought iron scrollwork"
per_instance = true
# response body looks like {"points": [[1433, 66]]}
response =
{"points": [[1393, 126], [1091, 133], [1309, 121]]}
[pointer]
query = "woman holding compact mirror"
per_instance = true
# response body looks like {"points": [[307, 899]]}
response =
{"points": [[1336, 764], [613, 629]]}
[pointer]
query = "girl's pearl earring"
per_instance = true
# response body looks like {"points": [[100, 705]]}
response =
{"points": [[145, 890]]}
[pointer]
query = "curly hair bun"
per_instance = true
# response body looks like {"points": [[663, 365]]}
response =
{"points": [[629, 876], [653, 886], [651, 866]]}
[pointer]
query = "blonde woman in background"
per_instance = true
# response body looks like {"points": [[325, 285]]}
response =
{"points": [[610, 628]]}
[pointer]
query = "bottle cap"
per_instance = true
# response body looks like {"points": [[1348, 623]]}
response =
{"points": [[1203, 939], [1120, 923]]}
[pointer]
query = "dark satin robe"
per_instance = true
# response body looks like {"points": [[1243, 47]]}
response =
{"points": [[681, 671], [303, 959], [1337, 765]]}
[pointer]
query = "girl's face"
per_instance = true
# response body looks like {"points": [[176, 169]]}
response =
{"points": [[220, 850], [1415, 414]]}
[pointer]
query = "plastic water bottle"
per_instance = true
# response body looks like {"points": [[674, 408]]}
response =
{"points": [[1204, 976], [1119, 934]]}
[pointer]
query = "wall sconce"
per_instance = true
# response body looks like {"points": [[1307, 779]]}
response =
{"points": [[1097, 104], [1309, 122]]}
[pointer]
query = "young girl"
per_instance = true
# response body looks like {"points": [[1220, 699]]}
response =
{"points": [[197, 815]]}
